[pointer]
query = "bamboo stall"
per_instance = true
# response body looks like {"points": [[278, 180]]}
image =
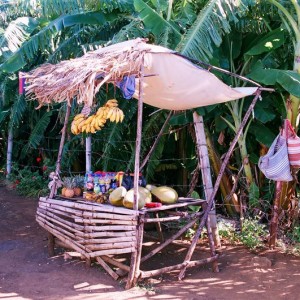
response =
{"points": [[163, 79]]}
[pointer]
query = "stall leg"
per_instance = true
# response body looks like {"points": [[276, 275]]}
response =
{"points": [[159, 230], [212, 246], [136, 256], [51, 243]]}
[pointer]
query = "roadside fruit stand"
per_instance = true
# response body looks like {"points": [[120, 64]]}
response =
{"points": [[103, 232]]}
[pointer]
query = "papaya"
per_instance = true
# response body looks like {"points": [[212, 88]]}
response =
{"points": [[164, 195], [116, 197], [144, 196]]}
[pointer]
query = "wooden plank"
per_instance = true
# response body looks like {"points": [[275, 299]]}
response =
{"points": [[169, 240], [92, 207], [103, 221], [115, 263], [112, 251], [189, 264], [108, 234], [106, 267], [94, 247], [108, 240], [84, 214]]}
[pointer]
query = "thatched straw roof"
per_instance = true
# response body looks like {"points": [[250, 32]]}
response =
{"points": [[171, 82]]}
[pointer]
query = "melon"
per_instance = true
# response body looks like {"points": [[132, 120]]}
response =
{"points": [[116, 196], [144, 196], [150, 187], [165, 195]]}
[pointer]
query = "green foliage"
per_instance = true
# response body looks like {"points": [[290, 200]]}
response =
{"points": [[252, 234], [29, 183]]}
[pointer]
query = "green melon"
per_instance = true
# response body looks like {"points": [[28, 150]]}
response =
{"points": [[165, 195], [144, 196], [116, 197]]}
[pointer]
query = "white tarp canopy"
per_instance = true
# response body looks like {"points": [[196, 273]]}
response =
{"points": [[171, 81], [178, 84]]}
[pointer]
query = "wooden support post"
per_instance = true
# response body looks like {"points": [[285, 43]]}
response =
{"points": [[217, 184], [205, 172], [51, 244], [60, 151], [134, 255], [158, 228], [51, 241], [88, 154], [138, 138]]}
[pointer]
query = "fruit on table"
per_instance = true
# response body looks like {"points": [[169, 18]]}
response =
{"points": [[165, 195], [116, 197], [150, 187], [142, 197]]}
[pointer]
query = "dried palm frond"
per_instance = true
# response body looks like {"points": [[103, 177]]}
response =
{"points": [[81, 78]]}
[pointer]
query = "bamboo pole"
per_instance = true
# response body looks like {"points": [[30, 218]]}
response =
{"points": [[60, 150], [188, 264], [115, 263], [112, 251], [217, 184], [169, 240], [138, 137], [205, 172], [106, 267], [92, 207], [84, 214], [156, 140], [108, 234], [139, 249], [108, 240], [103, 221], [96, 247], [137, 170], [88, 154]]}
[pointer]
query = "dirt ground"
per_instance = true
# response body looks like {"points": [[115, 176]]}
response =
{"points": [[26, 271]]}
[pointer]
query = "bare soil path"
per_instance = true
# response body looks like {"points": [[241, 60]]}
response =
{"points": [[26, 271]]}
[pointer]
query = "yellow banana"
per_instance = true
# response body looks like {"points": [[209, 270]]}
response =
{"points": [[78, 116], [121, 115], [117, 115], [112, 103], [113, 115], [83, 129], [80, 125], [110, 113], [89, 120]]}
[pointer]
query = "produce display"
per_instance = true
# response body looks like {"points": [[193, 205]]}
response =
{"points": [[106, 187], [91, 124]]}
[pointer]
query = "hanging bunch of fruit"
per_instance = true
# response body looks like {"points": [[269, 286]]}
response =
{"points": [[110, 111]]}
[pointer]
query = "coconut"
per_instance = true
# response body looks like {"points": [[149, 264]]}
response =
{"points": [[143, 197], [165, 195], [117, 195]]}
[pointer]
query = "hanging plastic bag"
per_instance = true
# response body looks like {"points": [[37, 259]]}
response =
{"points": [[293, 144], [275, 164]]}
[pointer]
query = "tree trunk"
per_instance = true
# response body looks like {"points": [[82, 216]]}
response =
{"points": [[206, 174], [9, 152]]}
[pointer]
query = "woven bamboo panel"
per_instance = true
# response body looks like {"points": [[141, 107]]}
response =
{"points": [[91, 229]]}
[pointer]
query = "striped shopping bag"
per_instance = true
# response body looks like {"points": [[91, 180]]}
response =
{"points": [[293, 144], [275, 164]]}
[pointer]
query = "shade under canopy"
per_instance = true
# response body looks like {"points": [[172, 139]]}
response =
{"points": [[171, 81]]}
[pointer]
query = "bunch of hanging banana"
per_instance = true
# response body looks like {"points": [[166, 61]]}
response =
{"points": [[77, 123], [93, 123], [114, 114]]}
